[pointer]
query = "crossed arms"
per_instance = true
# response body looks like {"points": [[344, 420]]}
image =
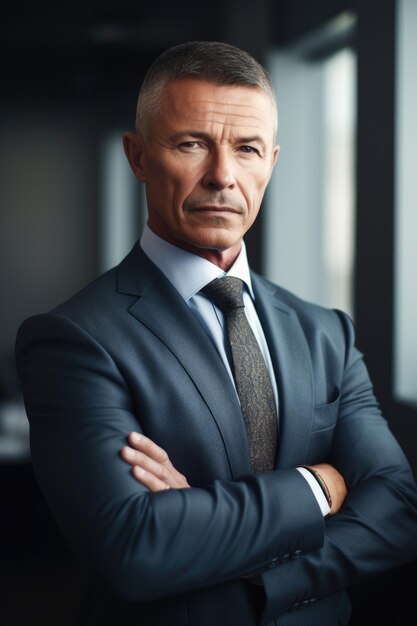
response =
{"points": [[80, 408], [152, 467]]}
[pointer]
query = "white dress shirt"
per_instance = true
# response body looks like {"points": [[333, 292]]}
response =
{"points": [[189, 273]]}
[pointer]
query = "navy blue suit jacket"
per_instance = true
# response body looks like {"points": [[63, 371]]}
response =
{"points": [[125, 354]]}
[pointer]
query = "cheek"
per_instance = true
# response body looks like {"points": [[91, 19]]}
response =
{"points": [[185, 184], [261, 183], [253, 189], [179, 176], [161, 183]]}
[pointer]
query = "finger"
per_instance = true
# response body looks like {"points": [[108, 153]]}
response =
{"points": [[167, 474], [150, 448], [135, 457], [153, 483]]}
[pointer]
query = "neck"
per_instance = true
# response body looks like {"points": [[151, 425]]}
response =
{"points": [[224, 259]]}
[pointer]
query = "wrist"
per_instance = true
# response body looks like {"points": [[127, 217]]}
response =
{"points": [[320, 480]]}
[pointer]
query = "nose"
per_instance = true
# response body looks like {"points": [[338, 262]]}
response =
{"points": [[219, 172]]}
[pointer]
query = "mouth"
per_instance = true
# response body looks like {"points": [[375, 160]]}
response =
{"points": [[215, 209]]}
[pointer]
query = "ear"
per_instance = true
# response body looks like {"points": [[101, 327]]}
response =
{"points": [[135, 154], [274, 158], [275, 153]]}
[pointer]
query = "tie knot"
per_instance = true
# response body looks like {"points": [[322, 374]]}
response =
{"points": [[226, 293]]}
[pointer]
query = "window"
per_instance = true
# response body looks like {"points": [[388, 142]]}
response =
{"points": [[309, 221], [122, 203], [405, 267]]}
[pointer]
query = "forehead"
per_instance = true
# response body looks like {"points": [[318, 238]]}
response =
{"points": [[188, 100]]}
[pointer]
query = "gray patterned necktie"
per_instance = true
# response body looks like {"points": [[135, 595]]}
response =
{"points": [[251, 375]]}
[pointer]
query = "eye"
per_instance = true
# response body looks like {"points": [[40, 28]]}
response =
{"points": [[248, 150], [190, 145]]}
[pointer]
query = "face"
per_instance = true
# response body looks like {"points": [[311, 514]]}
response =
{"points": [[206, 160]]}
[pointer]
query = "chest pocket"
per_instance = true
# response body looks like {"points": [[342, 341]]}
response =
{"points": [[325, 415], [322, 429]]}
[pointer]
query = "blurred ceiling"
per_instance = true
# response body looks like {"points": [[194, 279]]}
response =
{"points": [[80, 48], [87, 49]]}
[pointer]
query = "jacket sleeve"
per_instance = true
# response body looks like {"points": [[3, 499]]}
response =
{"points": [[142, 545], [376, 529]]}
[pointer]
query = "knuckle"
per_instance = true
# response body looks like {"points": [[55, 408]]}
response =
{"points": [[146, 443], [163, 456], [139, 472], [164, 474]]}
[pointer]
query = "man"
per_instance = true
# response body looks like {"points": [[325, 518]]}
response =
{"points": [[186, 503]]}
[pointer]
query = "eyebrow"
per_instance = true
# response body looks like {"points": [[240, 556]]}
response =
{"points": [[197, 134]]}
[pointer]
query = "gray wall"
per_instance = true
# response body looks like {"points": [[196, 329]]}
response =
{"points": [[47, 209]]}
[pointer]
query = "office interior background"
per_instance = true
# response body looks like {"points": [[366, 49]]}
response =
{"points": [[338, 224]]}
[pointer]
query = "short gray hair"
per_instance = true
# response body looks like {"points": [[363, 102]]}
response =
{"points": [[212, 61]]}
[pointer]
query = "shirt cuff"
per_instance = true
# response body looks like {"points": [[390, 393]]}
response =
{"points": [[317, 491]]}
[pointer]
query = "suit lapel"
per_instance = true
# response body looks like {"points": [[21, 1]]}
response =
{"points": [[292, 364], [162, 310]]}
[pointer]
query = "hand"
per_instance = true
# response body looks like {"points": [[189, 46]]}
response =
{"points": [[335, 484], [151, 465]]}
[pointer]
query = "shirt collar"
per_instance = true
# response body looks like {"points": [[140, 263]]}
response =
{"points": [[186, 271]]}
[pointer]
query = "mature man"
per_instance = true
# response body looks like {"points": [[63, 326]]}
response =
{"points": [[210, 444]]}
